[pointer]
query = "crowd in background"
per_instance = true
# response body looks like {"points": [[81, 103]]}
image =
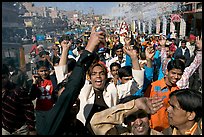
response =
{"points": [[112, 84]]}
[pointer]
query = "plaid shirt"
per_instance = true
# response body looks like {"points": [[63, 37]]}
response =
{"points": [[164, 60], [17, 109], [188, 71]]}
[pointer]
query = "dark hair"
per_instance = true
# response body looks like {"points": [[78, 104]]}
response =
{"points": [[80, 48], [176, 64], [4, 69], [125, 71], [43, 53], [139, 113], [127, 99], [64, 37], [118, 46], [71, 63], [183, 41], [189, 100], [181, 57], [142, 55], [114, 64], [41, 63], [100, 65], [136, 48]]}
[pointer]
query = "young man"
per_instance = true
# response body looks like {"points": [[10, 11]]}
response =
{"points": [[15, 74], [133, 112], [114, 67], [55, 121], [17, 108], [42, 90], [119, 58], [163, 88], [183, 50], [184, 113]]}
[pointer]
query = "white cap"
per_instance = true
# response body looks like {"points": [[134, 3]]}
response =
{"points": [[40, 46]]}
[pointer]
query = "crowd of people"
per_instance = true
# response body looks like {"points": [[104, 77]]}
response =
{"points": [[112, 84]]}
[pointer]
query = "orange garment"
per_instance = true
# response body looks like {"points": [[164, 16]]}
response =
{"points": [[159, 121], [188, 132]]}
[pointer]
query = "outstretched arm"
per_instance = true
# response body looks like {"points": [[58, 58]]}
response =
{"points": [[56, 119]]}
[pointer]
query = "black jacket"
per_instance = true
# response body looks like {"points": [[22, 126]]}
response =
{"points": [[56, 120]]}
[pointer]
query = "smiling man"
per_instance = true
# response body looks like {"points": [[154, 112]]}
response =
{"points": [[163, 88], [131, 117]]}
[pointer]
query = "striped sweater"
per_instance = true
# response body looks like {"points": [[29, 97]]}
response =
{"points": [[17, 109]]}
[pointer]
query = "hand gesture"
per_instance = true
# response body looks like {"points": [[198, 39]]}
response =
{"points": [[95, 39], [149, 52], [150, 105], [66, 45], [127, 41], [36, 78], [199, 42], [130, 51]]}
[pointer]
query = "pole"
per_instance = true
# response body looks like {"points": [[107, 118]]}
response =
{"points": [[22, 59]]}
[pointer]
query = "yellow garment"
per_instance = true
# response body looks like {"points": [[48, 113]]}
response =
{"points": [[188, 132]]}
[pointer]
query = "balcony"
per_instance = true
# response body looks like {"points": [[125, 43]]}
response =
{"points": [[191, 7]]}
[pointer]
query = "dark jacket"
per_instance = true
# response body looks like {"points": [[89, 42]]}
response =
{"points": [[19, 78], [178, 53], [55, 121]]}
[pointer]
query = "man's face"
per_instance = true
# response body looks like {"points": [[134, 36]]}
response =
{"points": [[11, 68], [183, 45], [119, 53], [114, 71], [98, 78], [176, 115], [55, 50], [167, 52], [124, 80], [43, 72], [173, 76], [140, 126], [43, 58]]}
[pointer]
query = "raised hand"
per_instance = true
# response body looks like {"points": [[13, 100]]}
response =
{"points": [[199, 42], [149, 52], [66, 44], [150, 105], [95, 39], [127, 41], [130, 51]]}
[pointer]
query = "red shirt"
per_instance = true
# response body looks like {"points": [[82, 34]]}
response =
{"points": [[44, 101], [34, 49]]}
